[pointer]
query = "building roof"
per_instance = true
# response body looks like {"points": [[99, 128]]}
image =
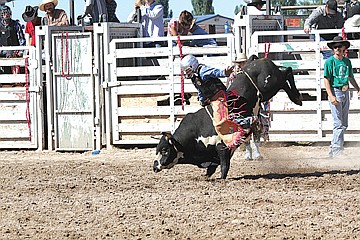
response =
{"points": [[202, 18]]}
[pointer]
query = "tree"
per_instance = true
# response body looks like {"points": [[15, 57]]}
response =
{"points": [[238, 9], [285, 3], [165, 4], [202, 7], [309, 3]]}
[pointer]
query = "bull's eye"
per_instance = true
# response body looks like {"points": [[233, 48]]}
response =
{"points": [[164, 152]]}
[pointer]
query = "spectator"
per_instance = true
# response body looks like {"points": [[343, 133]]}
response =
{"points": [[327, 16], [53, 16], [11, 33], [352, 8], [111, 11], [254, 7], [96, 9], [240, 62], [185, 25], [353, 20], [151, 18], [32, 20], [338, 73]]}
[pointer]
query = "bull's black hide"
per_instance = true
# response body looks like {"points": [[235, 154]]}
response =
{"points": [[195, 142]]}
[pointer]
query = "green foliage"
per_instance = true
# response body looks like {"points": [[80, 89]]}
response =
{"points": [[202, 7], [237, 9], [165, 4], [285, 3], [309, 3]]}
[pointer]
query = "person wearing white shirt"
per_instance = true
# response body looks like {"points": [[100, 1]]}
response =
{"points": [[151, 18]]}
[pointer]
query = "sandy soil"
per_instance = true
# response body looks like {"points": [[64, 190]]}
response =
{"points": [[294, 193]]}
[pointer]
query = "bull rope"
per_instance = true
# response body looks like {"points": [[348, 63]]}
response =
{"points": [[267, 104], [181, 74], [267, 49], [344, 36], [27, 96], [66, 60]]}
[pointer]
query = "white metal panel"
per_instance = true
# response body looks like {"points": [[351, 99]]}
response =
{"points": [[20, 108], [73, 90]]}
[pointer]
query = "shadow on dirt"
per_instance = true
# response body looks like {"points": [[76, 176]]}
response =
{"points": [[296, 175]]}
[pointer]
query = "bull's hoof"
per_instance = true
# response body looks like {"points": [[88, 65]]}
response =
{"points": [[211, 170]]}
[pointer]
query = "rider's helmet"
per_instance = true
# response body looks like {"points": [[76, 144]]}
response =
{"points": [[5, 12], [189, 61]]}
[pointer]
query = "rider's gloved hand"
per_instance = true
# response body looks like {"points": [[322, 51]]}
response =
{"points": [[205, 102], [228, 70]]}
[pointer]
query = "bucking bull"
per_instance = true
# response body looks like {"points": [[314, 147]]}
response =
{"points": [[196, 142]]}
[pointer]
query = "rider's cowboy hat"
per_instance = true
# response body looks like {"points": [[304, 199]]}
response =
{"points": [[338, 40], [30, 13], [55, 2], [256, 2], [240, 57]]}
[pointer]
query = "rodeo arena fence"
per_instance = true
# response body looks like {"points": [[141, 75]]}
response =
{"points": [[84, 88]]}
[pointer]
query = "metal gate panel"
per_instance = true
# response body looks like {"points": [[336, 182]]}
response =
{"points": [[20, 111], [73, 90]]}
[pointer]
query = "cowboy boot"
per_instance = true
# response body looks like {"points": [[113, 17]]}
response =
{"points": [[248, 151], [257, 154]]}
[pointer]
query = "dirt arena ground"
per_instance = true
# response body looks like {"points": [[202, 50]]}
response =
{"points": [[294, 193]]}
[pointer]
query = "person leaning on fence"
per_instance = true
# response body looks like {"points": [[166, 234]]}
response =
{"points": [[30, 16], [338, 73], [186, 24], [327, 16], [11, 33], [53, 16], [151, 15]]}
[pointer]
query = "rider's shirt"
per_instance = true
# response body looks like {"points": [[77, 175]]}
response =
{"points": [[207, 73]]}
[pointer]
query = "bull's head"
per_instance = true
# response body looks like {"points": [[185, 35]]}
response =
{"points": [[167, 152]]}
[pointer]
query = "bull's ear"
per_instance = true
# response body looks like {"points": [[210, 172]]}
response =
{"points": [[167, 135], [178, 146]]}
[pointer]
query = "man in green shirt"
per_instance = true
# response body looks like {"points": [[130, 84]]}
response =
{"points": [[338, 73]]}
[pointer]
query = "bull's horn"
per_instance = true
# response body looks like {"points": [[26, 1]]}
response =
{"points": [[155, 137]]}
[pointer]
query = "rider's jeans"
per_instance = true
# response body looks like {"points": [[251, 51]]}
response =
{"points": [[340, 114]]}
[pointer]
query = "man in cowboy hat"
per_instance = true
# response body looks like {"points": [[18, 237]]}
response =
{"points": [[53, 17], [32, 20], [338, 73], [254, 7], [239, 63]]}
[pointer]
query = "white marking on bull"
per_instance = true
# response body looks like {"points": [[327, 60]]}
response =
{"points": [[212, 140], [174, 162]]}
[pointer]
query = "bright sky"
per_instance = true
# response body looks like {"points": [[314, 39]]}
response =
{"points": [[222, 7]]}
